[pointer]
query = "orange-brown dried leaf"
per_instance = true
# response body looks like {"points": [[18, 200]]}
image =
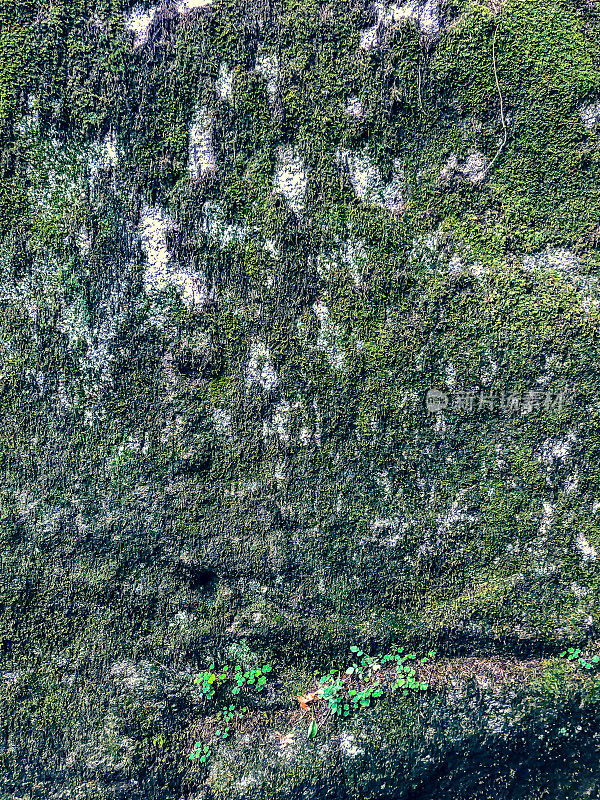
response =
{"points": [[309, 698]]}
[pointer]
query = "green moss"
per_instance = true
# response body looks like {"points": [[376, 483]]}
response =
{"points": [[352, 530]]}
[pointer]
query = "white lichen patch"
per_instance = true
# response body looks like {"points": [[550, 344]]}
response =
{"points": [[280, 422], [279, 473], [154, 226], [324, 263], [426, 14], [247, 781], [184, 6], [138, 21], [272, 249], [348, 747], [291, 177], [304, 435], [108, 150], [268, 66], [355, 107], [433, 541], [478, 270], [221, 420], [456, 266], [554, 452], [201, 155], [173, 428], [350, 254], [84, 241], [317, 433], [558, 258], [162, 271], [427, 250], [182, 620], [135, 444], [566, 264], [216, 227], [580, 591], [546, 521], [538, 548], [37, 377], [329, 337], [63, 398], [473, 169], [396, 532], [489, 374], [260, 367], [135, 677], [224, 83], [587, 550], [429, 16], [572, 482], [104, 156], [74, 322], [367, 181], [590, 115], [434, 254], [28, 125], [370, 38], [384, 482], [440, 423], [385, 524], [446, 520], [354, 254]]}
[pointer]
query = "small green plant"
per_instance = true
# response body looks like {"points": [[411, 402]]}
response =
{"points": [[362, 697], [406, 675], [210, 680], [235, 679], [341, 699], [331, 691], [364, 668], [201, 752], [575, 655], [368, 664], [229, 713], [254, 677]]}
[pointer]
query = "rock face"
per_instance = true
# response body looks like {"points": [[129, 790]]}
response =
{"points": [[299, 339]]}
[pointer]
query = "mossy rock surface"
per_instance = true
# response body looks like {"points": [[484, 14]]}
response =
{"points": [[299, 339]]}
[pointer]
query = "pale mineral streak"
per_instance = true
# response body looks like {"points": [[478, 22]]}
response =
{"points": [[184, 6], [426, 15], [260, 367], [224, 84], [267, 65], [473, 169], [590, 115], [162, 269], [367, 182], [291, 177], [587, 550], [201, 156], [138, 22], [329, 336]]}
